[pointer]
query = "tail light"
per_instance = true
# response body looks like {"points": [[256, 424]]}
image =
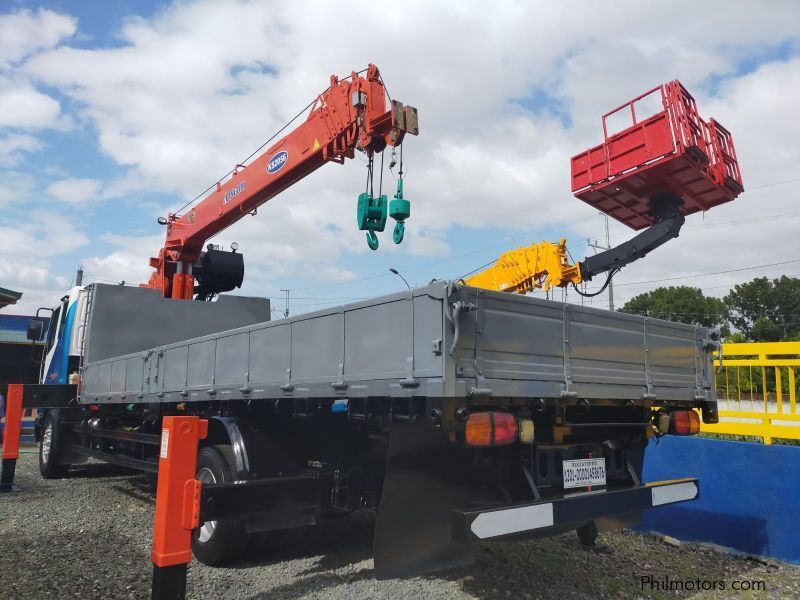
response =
{"points": [[684, 422], [662, 421], [491, 429], [526, 431]]}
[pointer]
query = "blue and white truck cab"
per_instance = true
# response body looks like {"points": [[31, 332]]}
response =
{"points": [[62, 338]]}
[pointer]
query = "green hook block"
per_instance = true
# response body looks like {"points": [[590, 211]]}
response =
{"points": [[371, 216], [399, 210], [372, 240], [371, 212], [399, 231]]}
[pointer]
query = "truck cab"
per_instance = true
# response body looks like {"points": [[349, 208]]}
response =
{"points": [[62, 337]]}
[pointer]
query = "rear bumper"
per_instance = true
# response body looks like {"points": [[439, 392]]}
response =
{"points": [[572, 510]]}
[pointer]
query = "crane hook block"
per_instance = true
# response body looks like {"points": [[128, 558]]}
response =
{"points": [[371, 216], [372, 240], [399, 210], [399, 231]]}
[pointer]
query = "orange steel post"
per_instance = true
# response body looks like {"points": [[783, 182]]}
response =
{"points": [[11, 437], [172, 531]]}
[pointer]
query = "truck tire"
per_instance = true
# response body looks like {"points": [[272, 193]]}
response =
{"points": [[48, 456], [218, 542], [587, 534]]}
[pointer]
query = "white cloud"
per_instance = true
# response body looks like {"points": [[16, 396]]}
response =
{"points": [[16, 186], [128, 262], [22, 34], [44, 234], [426, 243], [186, 95], [24, 107], [74, 190], [27, 249], [757, 108], [25, 32], [283, 241], [35, 280], [13, 146]]}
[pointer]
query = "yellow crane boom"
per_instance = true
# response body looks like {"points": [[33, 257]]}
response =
{"points": [[546, 264], [528, 268]]}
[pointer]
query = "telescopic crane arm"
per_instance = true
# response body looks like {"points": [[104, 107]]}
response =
{"points": [[350, 115]]}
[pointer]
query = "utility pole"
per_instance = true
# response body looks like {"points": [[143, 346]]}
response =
{"points": [[286, 310], [597, 246]]}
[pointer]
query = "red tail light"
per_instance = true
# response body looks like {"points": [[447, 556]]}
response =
{"points": [[684, 422], [491, 429], [505, 429]]}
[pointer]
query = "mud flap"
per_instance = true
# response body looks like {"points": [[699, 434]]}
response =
{"points": [[426, 479]]}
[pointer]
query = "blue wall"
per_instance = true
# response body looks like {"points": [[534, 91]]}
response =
{"points": [[14, 328], [26, 433], [749, 494]]}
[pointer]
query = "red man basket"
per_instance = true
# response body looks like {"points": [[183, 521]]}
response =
{"points": [[674, 150]]}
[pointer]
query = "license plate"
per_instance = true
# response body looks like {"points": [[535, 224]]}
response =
{"points": [[584, 472]]}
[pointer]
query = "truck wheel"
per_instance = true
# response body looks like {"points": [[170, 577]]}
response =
{"points": [[588, 534], [48, 460], [217, 542]]}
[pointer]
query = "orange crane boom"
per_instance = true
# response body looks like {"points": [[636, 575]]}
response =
{"points": [[350, 115]]}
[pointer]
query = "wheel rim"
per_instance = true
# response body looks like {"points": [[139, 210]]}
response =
{"points": [[204, 475], [47, 439]]}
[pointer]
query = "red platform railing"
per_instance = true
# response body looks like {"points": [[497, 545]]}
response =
{"points": [[673, 150], [723, 156]]}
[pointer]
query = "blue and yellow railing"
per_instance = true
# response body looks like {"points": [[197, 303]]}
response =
{"points": [[763, 378]]}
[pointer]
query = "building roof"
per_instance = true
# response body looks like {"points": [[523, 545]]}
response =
{"points": [[8, 297]]}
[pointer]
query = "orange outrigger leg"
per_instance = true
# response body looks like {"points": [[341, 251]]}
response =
{"points": [[11, 437], [177, 505]]}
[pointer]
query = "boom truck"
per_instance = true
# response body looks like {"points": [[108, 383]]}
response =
{"points": [[457, 412]]}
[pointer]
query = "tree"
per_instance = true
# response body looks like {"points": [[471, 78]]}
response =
{"points": [[679, 303], [765, 330], [766, 310]]}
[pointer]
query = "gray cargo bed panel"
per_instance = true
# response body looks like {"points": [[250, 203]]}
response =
{"points": [[400, 346], [124, 319]]}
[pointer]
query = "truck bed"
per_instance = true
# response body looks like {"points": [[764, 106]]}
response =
{"points": [[439, 341]]}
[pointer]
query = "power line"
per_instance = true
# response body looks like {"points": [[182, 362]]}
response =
{"points": [[775, 264], [727, 223], [509, 241], [257, 150], [752, 220], [317, 297], [745, 221], [711, 225], [503, 244], [276, 134], [768, 185]]}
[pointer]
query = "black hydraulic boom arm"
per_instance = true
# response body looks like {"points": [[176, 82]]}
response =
{"points": [[547, 265], [669, 220]]}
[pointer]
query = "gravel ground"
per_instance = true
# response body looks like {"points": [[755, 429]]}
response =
{"points": [[89, 537]]}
